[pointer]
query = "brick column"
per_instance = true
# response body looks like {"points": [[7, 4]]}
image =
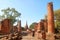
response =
{"points": [[19, 26], [43, 31], [50, 18], [35, 26], [39, 26], [45, 25]]}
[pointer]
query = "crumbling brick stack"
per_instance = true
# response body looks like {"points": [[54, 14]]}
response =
{"points": [[5, 26]]}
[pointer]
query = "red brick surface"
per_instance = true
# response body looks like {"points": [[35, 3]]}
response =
{"points": [[5, 26], [50, 18]]}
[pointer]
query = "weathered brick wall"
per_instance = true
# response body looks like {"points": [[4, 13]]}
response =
{"points": [[19, 26], [5, 26], [15, 29], [39, 26], [46, 25], [35, 26], [0, 26]]}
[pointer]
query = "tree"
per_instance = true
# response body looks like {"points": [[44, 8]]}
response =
{"points": [[57, 18], [10, 13], [23, 29], [45, 17], [32, 25]]}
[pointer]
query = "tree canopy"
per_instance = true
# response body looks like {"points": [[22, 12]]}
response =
{"points": [[32, 25], [57, 18], [10, 13]]}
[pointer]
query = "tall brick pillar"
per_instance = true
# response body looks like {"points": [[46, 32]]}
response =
{"points": [[50, 18], [19, 26], [50, 21]]}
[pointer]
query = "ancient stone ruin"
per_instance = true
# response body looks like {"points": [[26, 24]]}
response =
{"points": [[43, 30], [5, 26], [46, 27], [50, 18], [19, 26]]}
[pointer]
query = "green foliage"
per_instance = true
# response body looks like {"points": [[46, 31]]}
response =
{"points": [[23, 28], [32, 25], [57, 18], [45, 17], [10, 13]]}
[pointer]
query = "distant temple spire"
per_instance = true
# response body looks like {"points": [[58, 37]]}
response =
{"points": [[26, 26]]}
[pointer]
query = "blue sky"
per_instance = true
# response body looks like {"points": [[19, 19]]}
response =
{"points": [[31, 10]]}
